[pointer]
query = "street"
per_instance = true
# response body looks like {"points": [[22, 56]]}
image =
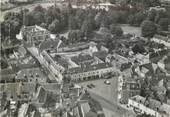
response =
{"points": [[107, 96]]}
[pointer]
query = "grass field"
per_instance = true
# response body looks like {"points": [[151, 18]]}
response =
{"points": [[131, 29]]}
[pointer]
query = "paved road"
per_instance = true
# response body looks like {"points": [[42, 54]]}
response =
{"points": [[107, 96], [52, 68]]}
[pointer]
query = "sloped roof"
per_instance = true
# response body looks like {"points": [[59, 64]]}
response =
{"points": [[89, 68], [153, 104], [101, 54], [50, 43]]}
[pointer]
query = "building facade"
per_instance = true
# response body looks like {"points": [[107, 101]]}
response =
{"points": [[89, 72], [127, 88], [149, 106]]}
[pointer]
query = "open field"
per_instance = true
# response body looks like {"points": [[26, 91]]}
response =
{"points": [[131, 29]]}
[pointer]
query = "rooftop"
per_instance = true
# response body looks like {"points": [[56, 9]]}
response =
{"points": [[153, 104], [33, 29], [62, 61], [33, 73], [89, 68], [100, 54], [82, 58], [49, 44], [162, 38]]}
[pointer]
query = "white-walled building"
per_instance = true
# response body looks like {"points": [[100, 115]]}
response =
{"points": [[162, 40], [89, 72], [149, 106]]}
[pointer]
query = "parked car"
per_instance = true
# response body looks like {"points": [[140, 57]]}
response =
{"points": [[92, 85], [89, 86], [107, 82]]}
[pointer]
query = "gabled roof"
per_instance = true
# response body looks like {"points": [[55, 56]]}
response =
{"points": [[49, 44], [153, 104], [149, 68], [52, 87], [82, 58], [89, 68], [101, 54]]}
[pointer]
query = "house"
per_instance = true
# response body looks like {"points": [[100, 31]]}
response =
{"points": [[126, 69], [116, 60], [101, 55], [7, 75], [21, 1], [149, 106], [91, 46], [142, 59], [61, 60], [89, 72], [33, 35], [45, 98], [157, 8], [22, 112], [83, 59], [50, 44], [54, 67], [31, 75], [127, 88], [146, 69], [162, 40]]}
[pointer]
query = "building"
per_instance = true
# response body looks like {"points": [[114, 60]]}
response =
{"points": [[33, 35], [127, 88], [149, 106], [146, 69], [157, 8], [142, 59], [101, 55], [50, 45], [89, 72], [21, 1], [31, 75], [161, 40], [83, 59]]}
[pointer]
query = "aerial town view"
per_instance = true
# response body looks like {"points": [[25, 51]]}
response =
{"points": [[85, 58]]}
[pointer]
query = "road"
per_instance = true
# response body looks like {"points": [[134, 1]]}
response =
{"points": [[117, 110], [107, 96], [50, 67]]}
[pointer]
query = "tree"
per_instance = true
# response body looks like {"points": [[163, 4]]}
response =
{"points": [[55, 26], [151, 15], [87, 27], [11, 25], [148, 28], [138, 48], [75, 36], [164, 22], [116, 30], [98, 19], [160, 14], [136, 19], [112, 1], [39, 14], [72, 23], [4, 63], [53, 12], [81, 14]]}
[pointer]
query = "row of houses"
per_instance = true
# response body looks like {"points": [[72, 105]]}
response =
{"points": [[149, 106]]}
